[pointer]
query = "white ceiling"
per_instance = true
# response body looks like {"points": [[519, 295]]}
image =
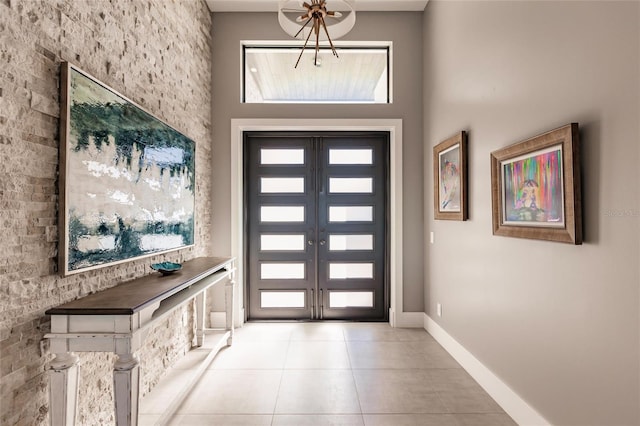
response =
{"points": [[353, 77], [272, 5]]}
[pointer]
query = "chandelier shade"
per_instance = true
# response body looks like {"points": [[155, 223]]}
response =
{"points": [[289, 12], [323, 19]]}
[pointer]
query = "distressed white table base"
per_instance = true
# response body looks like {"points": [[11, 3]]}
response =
{"points": [[126, 384], [64, 389], [123, 335]]}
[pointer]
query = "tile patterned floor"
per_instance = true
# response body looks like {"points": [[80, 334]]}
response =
{"points": [[321, 374]]}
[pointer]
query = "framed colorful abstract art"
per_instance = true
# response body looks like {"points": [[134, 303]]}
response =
{"points": [[127, 179], [450, 178], [535, 188]]}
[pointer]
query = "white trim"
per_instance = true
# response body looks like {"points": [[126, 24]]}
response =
{"points": [[350, 44], [393, 126], [521, 412]]}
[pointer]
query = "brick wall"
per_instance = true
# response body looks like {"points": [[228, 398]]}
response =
{"points": [[155, 52]]}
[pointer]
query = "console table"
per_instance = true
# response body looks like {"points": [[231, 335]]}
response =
{"points": [[118, 320]]}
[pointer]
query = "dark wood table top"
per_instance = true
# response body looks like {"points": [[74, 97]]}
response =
{"points": [[132, 296]]}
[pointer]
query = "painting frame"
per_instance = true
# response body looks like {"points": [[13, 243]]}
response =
{"points": [[450, 204], [127, 179], [535, 187]]}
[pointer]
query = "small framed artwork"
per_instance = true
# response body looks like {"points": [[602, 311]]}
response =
{"points": [[535, 188], [450, 178]]}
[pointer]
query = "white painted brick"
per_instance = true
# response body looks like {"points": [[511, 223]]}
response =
{"points": [[138, 39], [45, 105]]}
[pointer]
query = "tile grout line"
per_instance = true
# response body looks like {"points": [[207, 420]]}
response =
{"points": [[284, 364], [353, 377]]}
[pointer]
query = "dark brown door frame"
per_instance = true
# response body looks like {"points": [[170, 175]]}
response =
{"points": [[316, 145]]}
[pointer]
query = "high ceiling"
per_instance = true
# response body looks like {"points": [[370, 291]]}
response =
{"points": [[272, 5], [265, 76]]}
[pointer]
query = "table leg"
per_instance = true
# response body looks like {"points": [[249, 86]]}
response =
{"points": [[63, 390], [200, 305], [126, 382], [229, 309]]}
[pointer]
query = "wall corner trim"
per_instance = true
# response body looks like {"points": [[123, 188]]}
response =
{"points": [[521, 412]]}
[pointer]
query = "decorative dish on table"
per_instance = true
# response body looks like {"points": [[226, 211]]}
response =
{"points": [[166, 268]]}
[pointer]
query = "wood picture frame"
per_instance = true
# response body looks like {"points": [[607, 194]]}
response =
{"points": [[450, 178], [127, 179], [535, 188]]}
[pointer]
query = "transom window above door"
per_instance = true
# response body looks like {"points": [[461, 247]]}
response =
{"points": [[360, 74]]}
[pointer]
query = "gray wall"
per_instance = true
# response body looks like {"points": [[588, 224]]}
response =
{"points": [[558, 323], [405, 30], [139, 48]]}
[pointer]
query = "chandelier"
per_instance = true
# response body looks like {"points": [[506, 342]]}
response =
{"points": [[313, 18]]}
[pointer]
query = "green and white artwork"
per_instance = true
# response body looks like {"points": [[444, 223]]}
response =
{"points": [[128, 188]]}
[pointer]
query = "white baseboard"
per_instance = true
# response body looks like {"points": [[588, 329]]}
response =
{"points": [[521, 412]]}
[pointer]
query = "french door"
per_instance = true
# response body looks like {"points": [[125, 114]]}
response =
{"points": [[316, 225]]}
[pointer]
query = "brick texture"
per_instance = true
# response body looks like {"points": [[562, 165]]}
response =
{"points": [[155, 52]]}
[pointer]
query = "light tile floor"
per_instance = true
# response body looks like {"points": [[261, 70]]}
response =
{"points": [[321, 374]]}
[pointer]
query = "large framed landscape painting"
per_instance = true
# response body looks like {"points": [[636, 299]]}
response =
{"points": [[535, 187], [127, 179]]}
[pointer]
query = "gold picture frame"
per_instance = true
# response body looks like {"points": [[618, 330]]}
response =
{"points": [[535, 188], [450, 178]]}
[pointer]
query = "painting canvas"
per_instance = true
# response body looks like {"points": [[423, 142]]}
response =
{"points": [[533, 193], [449, 159], [127, 178], [449, 187], [535, 187]]}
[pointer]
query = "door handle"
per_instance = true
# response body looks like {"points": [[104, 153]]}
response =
{"points": [[322, 242], [310, 242]]}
